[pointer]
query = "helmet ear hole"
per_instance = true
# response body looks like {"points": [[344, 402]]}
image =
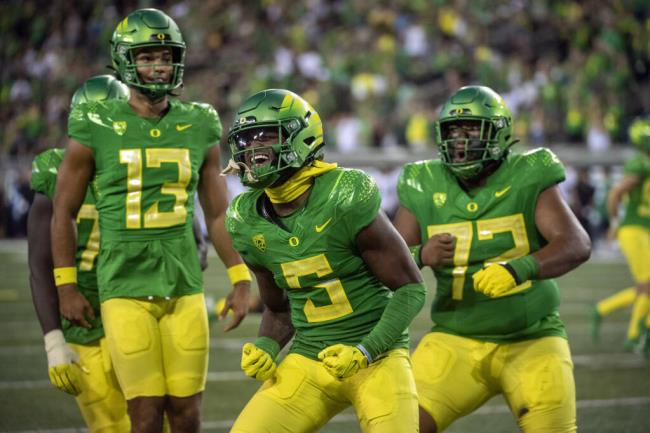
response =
{"points": [[309, 140]]}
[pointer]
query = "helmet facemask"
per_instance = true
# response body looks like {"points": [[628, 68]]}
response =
{"points": [[129, 72], [482, 110], [263, 151], [467, 144]]}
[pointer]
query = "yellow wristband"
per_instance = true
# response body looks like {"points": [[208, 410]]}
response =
{"points": [[65, 276], [238, 273]]}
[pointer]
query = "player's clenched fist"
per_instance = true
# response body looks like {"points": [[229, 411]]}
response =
{"points": [[438, 250], [494, 280], [258, 362], [342, 361]]}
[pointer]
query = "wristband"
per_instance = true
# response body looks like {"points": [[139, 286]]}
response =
{"points": [[268, 345], [67, 275], [525, 268], [416, 253], [365, 353], [238, 273]]}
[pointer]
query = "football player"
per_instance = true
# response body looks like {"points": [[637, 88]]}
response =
{"points": [[77, 357], [147, 156], [495, 229], [331, 269], [633, 232]]}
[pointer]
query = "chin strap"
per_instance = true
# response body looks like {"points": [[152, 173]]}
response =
{"points": [[234, 167]]}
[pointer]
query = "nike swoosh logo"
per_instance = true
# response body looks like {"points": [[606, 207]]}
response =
{"points": [[321, 227], [503, 191], [180, 128]]}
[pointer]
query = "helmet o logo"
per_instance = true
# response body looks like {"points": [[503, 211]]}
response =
{"points": [[472, 206], [242, 120], [161, 36], [294, 241], [155, 132]]}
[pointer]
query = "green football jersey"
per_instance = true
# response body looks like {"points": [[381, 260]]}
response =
{"points": [[494, 223], [334, 296], [637, 211], [44, 171], [146, 175]]}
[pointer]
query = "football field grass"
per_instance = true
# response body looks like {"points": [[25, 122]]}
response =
{"points": [[613, 387]]}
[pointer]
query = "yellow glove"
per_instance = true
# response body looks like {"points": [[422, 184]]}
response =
{"points": [[63, 364], [494, 280], [342, 361], [257, 362]]}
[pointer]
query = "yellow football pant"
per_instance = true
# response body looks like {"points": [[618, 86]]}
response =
{"points": [[158, 347], [303, 396], [101, 402], [616, 301], [635, 244], [456, 375]]}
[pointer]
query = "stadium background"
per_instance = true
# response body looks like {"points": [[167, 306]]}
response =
{"points": [[574, 73]]}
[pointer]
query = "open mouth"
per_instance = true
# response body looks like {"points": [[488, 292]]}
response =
{"points": [[157, 80], [259, 159]]}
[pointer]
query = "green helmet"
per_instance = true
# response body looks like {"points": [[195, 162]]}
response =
{"points": [[100, 88], [483, 107], [147, 28], [640, 133], [276, 113]]}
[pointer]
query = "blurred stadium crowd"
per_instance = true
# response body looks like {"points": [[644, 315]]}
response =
{"points": [[574, 72]]}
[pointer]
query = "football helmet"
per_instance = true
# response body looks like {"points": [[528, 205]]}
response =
{"points": [[483, 109], [289, 128], [147, 28], [640, 133], [100, 88]]}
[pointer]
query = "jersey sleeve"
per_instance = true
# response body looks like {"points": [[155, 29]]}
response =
{"points": [[237, 229], [213, 123], [405, 184], [546, 168], [358, 200], [44, 171], [636, 166], [78, 125]]}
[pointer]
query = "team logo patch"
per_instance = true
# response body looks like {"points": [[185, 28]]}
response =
{"points": [[439, 199], [259, 242], [119, 127]]}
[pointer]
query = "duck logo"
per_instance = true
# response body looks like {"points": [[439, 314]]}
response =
{"points": [[259, 242], [119, 127], [439, 199]]}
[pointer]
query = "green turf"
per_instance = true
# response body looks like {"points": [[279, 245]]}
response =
{"points": [[613, 388]]}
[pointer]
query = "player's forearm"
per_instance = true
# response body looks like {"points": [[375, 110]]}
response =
{"points": [[222, 241], [277, 326], [613, 200], [402, 308], [64, 238], [559, 257], [44, 296]]}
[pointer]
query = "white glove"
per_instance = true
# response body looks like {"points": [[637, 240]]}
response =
{"points": [[63, 363]]}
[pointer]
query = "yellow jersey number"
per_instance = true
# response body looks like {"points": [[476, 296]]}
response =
{"points": [[153, 218], [485, 229], [320, 266], [88, 255]]}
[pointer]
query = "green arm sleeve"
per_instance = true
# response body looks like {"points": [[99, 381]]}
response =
{"points": [[406, 302]]}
